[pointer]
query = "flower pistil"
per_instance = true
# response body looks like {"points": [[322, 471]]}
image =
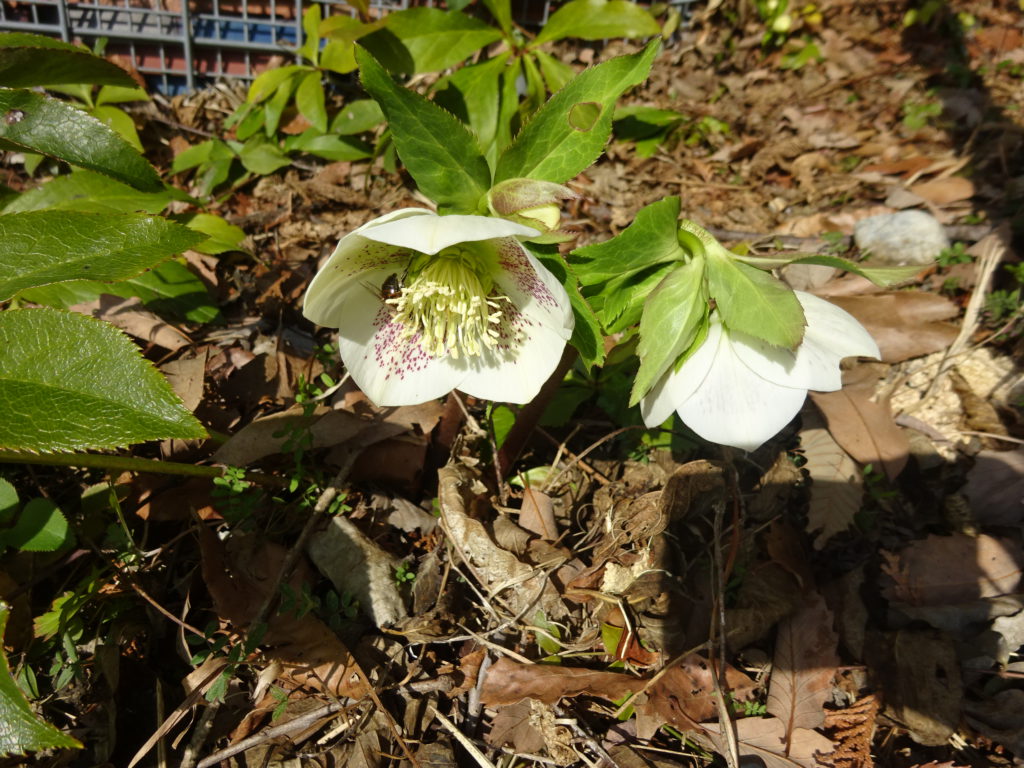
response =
{"points": [[450, 305]]}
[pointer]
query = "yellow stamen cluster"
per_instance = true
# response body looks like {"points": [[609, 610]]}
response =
{"points": [[449, 306]]}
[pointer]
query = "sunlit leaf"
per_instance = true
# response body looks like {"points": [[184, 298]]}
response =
{"points": [[70, 382]]}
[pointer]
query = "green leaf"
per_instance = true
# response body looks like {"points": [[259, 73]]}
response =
{"points": [[309, 98], [507, 113], [213, 158], [264, 86], [339, 56], [556, 73], [90, 191], [221, 236], [346, 28], [118, 120], [753, 302], [328, 146], [362, 7], [635, 122], [310, 31], [8, 502], [620, 301], [597, 20], [469, 93], [30, 60], [438, 39], [41, 527], [877, 275], [44, 247], [549, 147], [536, 92], [169, 290], [501, 10], [650, 240], [673, 313], [275, 106], [40, 124], [23, 731], [357, 116], [502, 420], [586, 335], [70, 382], [262, 156], [439, 151], [119, 94]]}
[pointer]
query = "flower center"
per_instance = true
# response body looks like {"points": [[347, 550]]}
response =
{"points": [[451, 306]]}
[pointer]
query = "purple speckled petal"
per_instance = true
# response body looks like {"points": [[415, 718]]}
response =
{"points": [[532, 288], [357, 264], [390, 370]]}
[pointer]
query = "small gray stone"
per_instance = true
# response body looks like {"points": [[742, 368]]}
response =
{"points": [[907, 237]]}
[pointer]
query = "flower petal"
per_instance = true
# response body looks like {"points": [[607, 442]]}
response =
{"points": [[835, 329], [831, 335], [532, 288], [657, 405], [429, 233], [356, 262], [390, 370], [516, 375], [735, 406], [676, 386]]}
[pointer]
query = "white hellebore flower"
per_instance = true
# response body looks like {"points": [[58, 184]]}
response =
{"points": [[737, 390], [425, 304]]}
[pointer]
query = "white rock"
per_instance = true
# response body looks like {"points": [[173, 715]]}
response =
{"points": [[907, 237]]}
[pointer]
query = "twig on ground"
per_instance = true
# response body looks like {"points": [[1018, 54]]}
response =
{"points": [[993, 248], [563, 448], [300, 723], [199, 735], [469, 746], [593, 447], [717, 642]]}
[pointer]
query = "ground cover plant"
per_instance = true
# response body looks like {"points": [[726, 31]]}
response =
{"points": [[388, 413]]}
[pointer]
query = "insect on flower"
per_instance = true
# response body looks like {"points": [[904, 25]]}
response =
{"points": [[391, 288]]}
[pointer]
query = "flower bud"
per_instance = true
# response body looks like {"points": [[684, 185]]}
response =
{"points": [[530, 202]]}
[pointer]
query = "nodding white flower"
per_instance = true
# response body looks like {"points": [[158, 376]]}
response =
{"points": [[737, 390], [425, 304]]}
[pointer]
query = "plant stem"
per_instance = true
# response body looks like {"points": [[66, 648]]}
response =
{"points": [[530, 414], [128, 464]]}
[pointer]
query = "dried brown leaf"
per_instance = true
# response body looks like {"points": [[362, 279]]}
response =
{"points": [[852, 729], [130, 316], [239, 581], [356, 564], [512, 726], [684, 695], [537, 514], [186, 376], [837, 483], [766, 738], [951, 189], [268, 435], [499, 571], [508, 682], [864, 429], [905, 324], [985, 567], [995, 487], [803, 666]]}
